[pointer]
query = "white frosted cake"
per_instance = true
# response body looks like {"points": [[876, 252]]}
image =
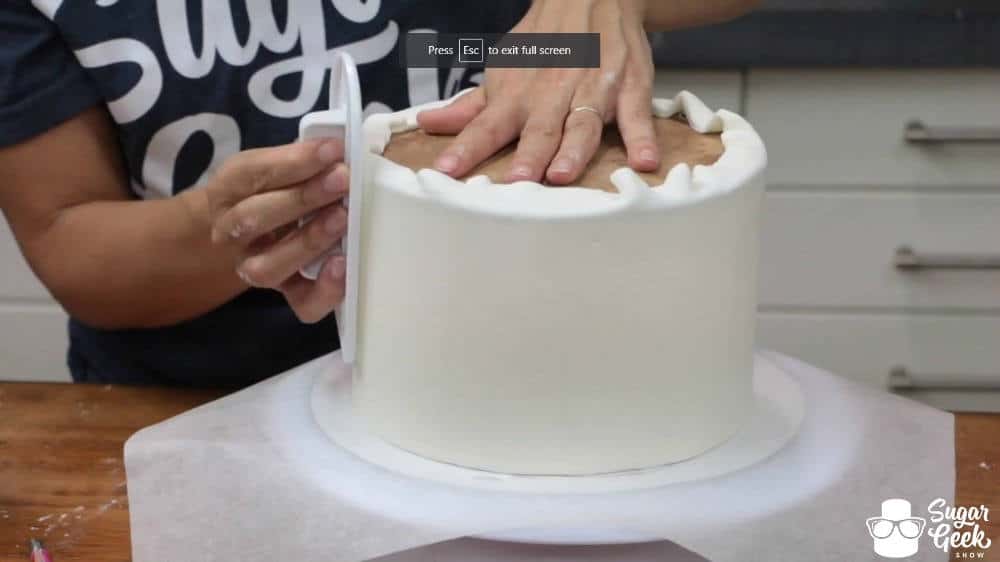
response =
{"points": [[528, 329]]}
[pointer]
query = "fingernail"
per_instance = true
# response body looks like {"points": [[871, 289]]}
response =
{"points": [[335, 224], [647, 155], [447, 163], [562, 166], [333, 182], [327, 152], [338, 267], [520, 172]]}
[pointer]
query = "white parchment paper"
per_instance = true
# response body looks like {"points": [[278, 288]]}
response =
{"points": [[252, 478]]}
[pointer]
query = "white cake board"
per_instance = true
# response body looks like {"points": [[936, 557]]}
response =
{"points": [[774, 420], [253, 477]]}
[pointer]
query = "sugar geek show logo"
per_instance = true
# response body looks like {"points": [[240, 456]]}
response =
{"points": [[896, 532]]}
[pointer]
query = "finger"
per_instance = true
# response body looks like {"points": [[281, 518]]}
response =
{"points": [[264, 169], [262, 213], [635, 121], [451, 119], [283, 259], [490, 131], [580, 140], [314, 300], [634, 109], [583, 127], [539, 140]]}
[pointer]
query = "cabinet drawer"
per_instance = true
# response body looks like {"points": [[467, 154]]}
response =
{"points": [[33, 343], [16, 280], [838, 250], [847, 127], [932, 352], [719, 89]]}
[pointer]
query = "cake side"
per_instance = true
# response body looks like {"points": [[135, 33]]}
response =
{"points": [[523, 329]]}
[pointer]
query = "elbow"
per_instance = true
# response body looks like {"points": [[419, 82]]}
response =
{"points": [[107, 311], [108, 314], [101, 315], [101, 305], [92, 292], [95, 310]]}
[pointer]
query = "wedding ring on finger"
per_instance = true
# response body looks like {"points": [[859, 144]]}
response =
{"points": [[590, 109]]}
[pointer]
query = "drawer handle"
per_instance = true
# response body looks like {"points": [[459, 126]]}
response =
{"points": [[900, 378], [916, 132], [907, 259]]}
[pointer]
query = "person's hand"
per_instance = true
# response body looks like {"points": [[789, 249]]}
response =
{"points": [[537, 105], [255, 201]]}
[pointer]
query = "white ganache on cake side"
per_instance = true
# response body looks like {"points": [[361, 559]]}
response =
{"points": [[525, 329]]}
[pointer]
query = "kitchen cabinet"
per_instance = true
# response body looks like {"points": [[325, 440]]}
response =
{"points": [[950, 360], [878, 128], [880, 252], [33, 337]]}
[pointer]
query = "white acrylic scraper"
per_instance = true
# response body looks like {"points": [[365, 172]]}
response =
{"points": [[343, 120]]}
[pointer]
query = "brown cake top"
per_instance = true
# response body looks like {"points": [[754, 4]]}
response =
{"points": [[678, 142]]}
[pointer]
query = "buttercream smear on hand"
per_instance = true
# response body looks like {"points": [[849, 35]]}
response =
{"points": [[743, 158]]}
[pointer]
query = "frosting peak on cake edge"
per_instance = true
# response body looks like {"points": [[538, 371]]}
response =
{"points": [[743, 158]]}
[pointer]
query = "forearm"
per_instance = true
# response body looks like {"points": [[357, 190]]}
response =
{"points": [[135, 264], [666, 15]]}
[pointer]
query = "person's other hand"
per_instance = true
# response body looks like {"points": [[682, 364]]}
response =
{"points": [[537, 105], [255, 201]]}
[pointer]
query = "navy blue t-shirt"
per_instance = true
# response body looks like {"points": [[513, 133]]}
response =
{"points": [[189, 83]]}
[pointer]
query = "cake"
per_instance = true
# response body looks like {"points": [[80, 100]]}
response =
{"points": [[532, 329]]}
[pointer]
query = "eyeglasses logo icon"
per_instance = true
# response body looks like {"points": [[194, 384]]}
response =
{"points": [[896, 532]]}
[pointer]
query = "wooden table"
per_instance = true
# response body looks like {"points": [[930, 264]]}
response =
{"points": [[62, 477]]}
